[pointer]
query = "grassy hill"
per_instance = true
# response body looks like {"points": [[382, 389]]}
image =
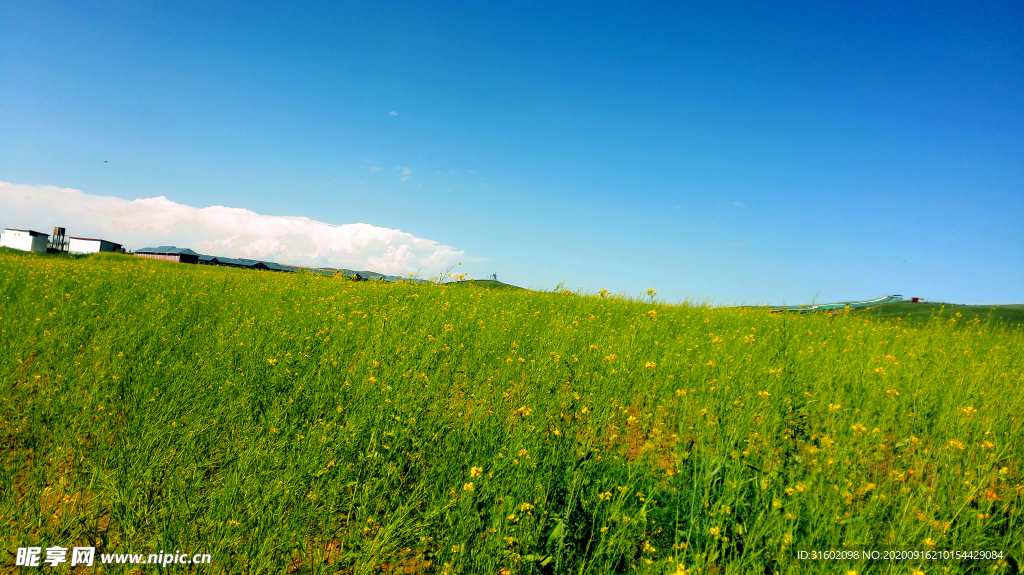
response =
{"points": [[295, 423], [1007, 315], [487, 284]]}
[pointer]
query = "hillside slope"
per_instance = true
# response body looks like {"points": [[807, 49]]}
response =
{"points": [[299, 423]]}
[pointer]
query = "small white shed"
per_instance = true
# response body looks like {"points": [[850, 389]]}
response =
{"points": [[92, 246], [25, 240]]}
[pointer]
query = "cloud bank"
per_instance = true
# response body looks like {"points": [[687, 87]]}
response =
{"points": [[223, 231]]}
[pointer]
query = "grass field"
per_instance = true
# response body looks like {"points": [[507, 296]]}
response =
{"points": [[292, 423], [487, 284], [917, 313]]}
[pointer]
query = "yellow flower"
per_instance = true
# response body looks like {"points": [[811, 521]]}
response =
{"points": [[611, 357], [763, 394], [604, 496], [272, 361], [468, 487], [834, 406], [650, 365], [652, 293], [476, 471], [957, 444], [714, 531], [652, 314]]}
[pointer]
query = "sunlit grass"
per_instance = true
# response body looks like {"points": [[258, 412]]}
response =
{"points": [[291, 422]]}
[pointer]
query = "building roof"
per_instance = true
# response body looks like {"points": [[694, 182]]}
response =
{"points": [[241, 262], [167, 250], [29, 232], [279, 267], [93, 240]]}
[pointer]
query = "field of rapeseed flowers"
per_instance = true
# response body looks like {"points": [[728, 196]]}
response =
{"points": [[290, 423]]}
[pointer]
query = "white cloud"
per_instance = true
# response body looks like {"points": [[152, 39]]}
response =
{"points": [[737, 204], [394, 113], [369, 167], [223, 231], [406, 172]]}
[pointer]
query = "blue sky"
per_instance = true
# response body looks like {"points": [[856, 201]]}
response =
{"points": [[734, 153]]}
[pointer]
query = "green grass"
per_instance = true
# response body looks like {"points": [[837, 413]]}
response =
{"points": [[918, 313], [487, 284], [307, 424]]}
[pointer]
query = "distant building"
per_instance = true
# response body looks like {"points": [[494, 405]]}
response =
{"points": [[25, 240], [92, 246], [244, 263], [169, 253]]}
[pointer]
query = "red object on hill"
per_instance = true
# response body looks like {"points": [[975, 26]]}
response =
{"points": [[915, 299]]}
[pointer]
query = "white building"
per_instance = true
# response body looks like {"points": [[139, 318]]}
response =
{"points": [[92, 246], [25, 240]]}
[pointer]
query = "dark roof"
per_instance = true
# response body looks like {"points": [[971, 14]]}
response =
{"points": [[242, 262], [167, 250], [93, 240], [278, 267], [245, 263], [30, 232]]}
